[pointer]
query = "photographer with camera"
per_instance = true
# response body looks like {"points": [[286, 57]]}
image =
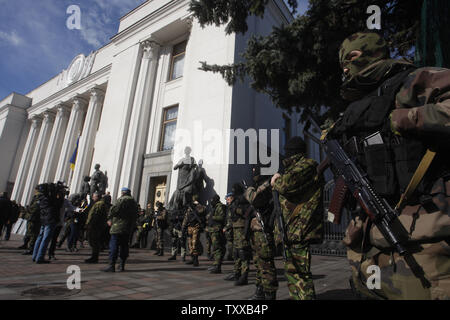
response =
{"points": [[50, 200]]}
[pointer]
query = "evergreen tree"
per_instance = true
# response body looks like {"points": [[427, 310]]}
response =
{"points": [[297, 64]]}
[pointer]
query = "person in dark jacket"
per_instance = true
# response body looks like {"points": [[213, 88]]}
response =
{"points": [[50, 202], [5, 210]]}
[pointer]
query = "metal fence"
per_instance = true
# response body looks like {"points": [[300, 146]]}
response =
{"points": [[333, 233]]}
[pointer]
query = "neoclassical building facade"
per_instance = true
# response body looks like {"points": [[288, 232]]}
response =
{"points": [[125, 105]]}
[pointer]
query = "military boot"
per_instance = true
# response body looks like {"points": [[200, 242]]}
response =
{"points": [[174, 257], [259, 294], [232, 277], [122, 266], [183, 258], [111, 267], [243, 280], [195, 263], [216, 269], [91, 260], [270, 295]]}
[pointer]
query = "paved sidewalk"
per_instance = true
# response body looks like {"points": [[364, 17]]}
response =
{"points": [[146, 277]]}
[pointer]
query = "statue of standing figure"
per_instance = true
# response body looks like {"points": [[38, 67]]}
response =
{"points": [[99, 181], [186, 175]]}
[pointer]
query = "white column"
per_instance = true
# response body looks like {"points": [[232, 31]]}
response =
{"points": [[70, 139], [54, 144], [26, 159], [140, 118], [87, 139], [38, 157]]}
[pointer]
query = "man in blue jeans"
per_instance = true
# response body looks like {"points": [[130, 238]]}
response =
{"points": [[122, 219], [50, 201]]}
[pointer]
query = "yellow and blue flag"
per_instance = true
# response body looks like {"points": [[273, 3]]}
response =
{"points": [[74, 156]]}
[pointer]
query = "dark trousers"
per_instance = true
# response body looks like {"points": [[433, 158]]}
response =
{"points": [[8, 231], [73, 237], [54, 241], [118, 246]]}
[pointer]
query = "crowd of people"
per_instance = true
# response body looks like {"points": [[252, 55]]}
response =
{"points": [[397, 121], [241, 229]]}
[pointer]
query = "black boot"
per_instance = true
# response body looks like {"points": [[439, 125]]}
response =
{"points": [[243, 280], [122, 266], [259, 294], [111, 267], [190, 261], [157, 252], [216, 269], [195, 261], [232, 277], [183, 258], [172, 258], [270, 295], [161, 253], [91, 260]]}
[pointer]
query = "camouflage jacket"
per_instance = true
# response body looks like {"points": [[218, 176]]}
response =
{"points": [[216, 219], [123, 215], [423, 103], [191, 218], [97, 216], [240, 211], [300, 194]]}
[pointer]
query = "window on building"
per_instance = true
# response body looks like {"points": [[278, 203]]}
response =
{"points": [[177, 61], [169, 125]]}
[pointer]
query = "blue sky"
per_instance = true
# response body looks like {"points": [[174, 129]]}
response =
{"points": [[36, 45]]}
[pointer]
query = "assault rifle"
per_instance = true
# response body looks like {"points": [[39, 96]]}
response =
{"points": [[352, 179], [281, 224]]}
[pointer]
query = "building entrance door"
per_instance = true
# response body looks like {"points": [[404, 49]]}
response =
{"points": [[157, 190]]}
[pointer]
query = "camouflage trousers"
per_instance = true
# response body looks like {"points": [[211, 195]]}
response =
{"points": [[177, 242], [242, 251], [263, 259], [32, 233], [397, 280], [298, 273], [229, 243], [208, 242], [218, 246], [159, 238], [195, 247]]}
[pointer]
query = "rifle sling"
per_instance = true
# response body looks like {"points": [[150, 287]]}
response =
{"points": [[417, 178]]}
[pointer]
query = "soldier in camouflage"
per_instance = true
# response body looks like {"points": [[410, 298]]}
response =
{"points": [[121, 219], [300, 195], [215, 223], [409, 108], [229, 231], [160, 224], [178, 241], [262, 240], [33, 223], [240, 215], [192, 226], [143, 224], [96, 224]]}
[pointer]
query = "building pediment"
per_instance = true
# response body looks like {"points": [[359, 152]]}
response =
{"points": [[79, 68]]}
